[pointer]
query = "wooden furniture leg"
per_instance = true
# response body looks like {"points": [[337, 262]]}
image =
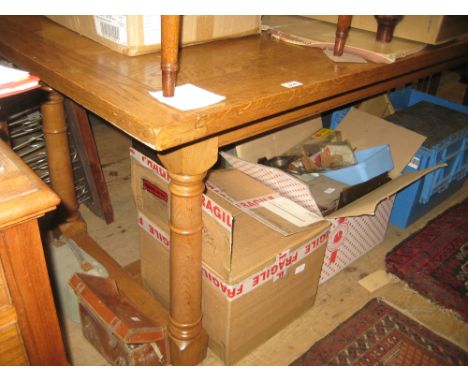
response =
{"points": [[170, 35], [82, 134], [58, 154], [386, 27], [342, 29], [187, 167], [27, 277]]}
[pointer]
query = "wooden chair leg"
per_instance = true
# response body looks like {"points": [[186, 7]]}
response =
{"points": [[342, 29], [170, 35], [386, 27]]}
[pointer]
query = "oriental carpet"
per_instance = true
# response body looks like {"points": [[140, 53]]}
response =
{"points": [[434, 260], [380, 335]]}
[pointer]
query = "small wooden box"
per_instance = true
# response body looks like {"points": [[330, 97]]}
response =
{"points": [[115, 328]]}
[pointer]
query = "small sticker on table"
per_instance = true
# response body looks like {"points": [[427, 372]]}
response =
{"points": [[329, 190], [291, 84]]}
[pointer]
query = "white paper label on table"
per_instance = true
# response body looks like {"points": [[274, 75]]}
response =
{"points": [[291, 84], [188, 97]]}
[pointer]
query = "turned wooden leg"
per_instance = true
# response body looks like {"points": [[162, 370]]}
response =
{"points": [[58, 154], [187, 168], [342, 29], [386, 27], [170, 34]]}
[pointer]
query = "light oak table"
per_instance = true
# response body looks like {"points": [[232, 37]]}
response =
{"points": [[250, 72]]}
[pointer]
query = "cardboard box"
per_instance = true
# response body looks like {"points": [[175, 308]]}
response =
{"points": [[361, 225], [136, 35], [282, 140], [428, 29], [259, 270]]}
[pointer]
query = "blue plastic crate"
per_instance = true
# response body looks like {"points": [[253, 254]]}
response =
{"points": [[337, 116], [422, 196]]}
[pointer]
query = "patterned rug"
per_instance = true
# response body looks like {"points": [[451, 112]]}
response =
{"points": [[380, 335], [434, 261]]}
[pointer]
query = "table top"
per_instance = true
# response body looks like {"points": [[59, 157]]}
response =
{"points": [[23, 195], [248, 71]]}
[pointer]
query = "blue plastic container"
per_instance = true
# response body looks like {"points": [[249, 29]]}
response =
{"points": [[371, 162], [337, 116], [422, 196]]}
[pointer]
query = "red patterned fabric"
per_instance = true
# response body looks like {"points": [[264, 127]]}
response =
{"points": [[380, 335], [434, 261]]}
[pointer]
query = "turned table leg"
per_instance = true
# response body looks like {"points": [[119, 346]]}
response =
{"points": [[58, 154], [170, 34], [342, 29], [386, 27], [187, 168]]}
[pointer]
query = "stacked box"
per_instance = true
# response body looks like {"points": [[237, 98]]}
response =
{"points": [[259, 271]]}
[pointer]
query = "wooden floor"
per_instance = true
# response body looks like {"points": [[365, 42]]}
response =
{"points": [[337, 299]]}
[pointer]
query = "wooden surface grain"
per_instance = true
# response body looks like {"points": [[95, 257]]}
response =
{"points": [[22, 194], [249, 71], [12, 351]]}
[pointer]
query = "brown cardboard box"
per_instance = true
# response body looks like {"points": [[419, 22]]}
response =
{"points": [[136, 35], [239, 316], [283, 139], [361, 225], [255, 278], [428, 29]]}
